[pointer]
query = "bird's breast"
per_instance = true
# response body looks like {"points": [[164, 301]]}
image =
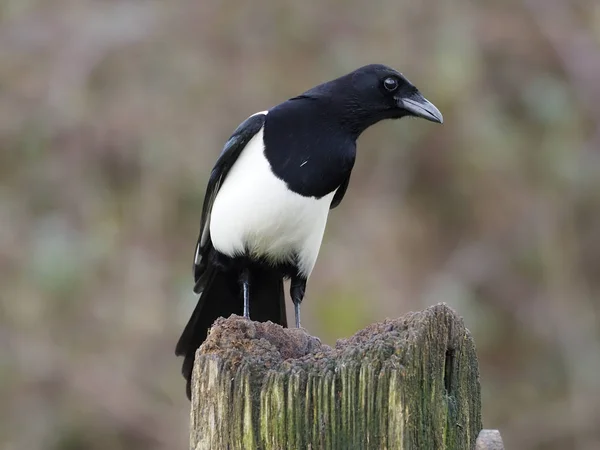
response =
{"points": [[256, 214], [312, 156]]}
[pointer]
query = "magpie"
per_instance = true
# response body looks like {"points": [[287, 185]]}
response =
{"points": [[271, 189]]}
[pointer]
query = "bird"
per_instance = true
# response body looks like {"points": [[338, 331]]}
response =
{"points": [[270, 192]]}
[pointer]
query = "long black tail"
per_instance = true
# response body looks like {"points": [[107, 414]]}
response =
{"points": [[222, 297]]}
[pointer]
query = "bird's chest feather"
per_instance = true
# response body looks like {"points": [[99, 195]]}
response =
{"points": [[255, 212], [312, 156]]}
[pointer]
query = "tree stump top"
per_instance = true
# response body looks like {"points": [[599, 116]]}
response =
{"points": [[410, 382]]}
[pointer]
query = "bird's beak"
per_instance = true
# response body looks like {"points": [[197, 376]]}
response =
{"points": [[419, 106]]}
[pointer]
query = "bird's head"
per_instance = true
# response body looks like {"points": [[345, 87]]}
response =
{"points": [[373, 93]]}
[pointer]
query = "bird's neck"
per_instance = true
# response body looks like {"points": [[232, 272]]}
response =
{"points": [[344, 112]]}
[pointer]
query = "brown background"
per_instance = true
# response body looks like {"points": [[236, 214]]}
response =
{"points": [[113, 112]]}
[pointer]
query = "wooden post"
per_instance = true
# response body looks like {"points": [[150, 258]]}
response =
{"points": [[409, 383]]}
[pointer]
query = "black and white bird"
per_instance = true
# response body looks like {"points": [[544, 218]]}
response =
{"points": [[271, 190]]}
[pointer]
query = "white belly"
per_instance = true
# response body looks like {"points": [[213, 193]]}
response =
{"points": [[254, 213]]}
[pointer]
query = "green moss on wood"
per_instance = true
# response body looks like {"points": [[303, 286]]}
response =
{"points": [[406, 383]]}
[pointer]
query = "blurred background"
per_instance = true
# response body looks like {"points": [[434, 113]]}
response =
{"points": [[112, 114]]}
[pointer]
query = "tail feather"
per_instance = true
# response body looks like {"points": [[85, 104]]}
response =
{"points": [[221, 297]]}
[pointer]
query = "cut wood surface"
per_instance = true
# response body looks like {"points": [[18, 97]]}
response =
{"points": [[406, 383]]}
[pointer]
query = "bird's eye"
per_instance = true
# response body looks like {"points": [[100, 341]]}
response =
{"points": [[390, 84]]}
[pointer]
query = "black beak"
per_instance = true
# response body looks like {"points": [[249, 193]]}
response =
{"points": [[419, 106]]}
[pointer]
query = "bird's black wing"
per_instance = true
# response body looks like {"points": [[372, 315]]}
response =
{"points": [[231, 151], [339, 193]]}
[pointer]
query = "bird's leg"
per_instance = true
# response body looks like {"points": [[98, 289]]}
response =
{"points": [[245, 281], [297, 289]]}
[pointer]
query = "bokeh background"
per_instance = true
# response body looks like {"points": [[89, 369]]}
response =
{"points": [[113, 112]]}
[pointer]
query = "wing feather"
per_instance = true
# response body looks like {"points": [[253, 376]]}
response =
{"points": [[229, 155], [339, 193]]}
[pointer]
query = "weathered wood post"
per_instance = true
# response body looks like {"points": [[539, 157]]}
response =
{"points": [[409, 383]]}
